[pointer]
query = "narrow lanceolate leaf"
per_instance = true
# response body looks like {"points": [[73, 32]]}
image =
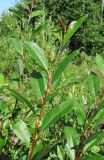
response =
{"points": [[37, 148], [98, 118], [98, 115], [43, 152], [22, 99], [38, 55], [94, 139], [93, 83], [70, 152], [19, 97], [18, 45], [56, 113], [100, 63], [21, 131], [71, 131], [72, 141], [81, 115], [60, 153], [93, 157], [73, 29], [61, 67]]}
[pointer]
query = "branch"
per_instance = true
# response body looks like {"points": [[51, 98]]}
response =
{"points": [[79, 151]]}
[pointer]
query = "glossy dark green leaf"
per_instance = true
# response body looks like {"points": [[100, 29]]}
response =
{"points": [[73, 29], [38, 55], [61, 66], [56, 113]]}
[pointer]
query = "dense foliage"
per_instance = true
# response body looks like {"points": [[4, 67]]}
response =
{"points": [[51, 81]]}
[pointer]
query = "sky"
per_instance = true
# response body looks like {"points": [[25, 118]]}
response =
{"points": [[6, 4]]}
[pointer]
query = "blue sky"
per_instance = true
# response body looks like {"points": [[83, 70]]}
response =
{"points": [[5, 4]]}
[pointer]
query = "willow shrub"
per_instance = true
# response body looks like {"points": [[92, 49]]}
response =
{"points": [[81, 132]]}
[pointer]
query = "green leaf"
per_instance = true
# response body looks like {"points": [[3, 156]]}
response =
{"points": [[98, 118], [61, 66], [38, 83], [38, 13], [1, 79], [37, 148], [38, 55], [100, 63], [22, 99], [25, 6], [93, 83], [70, 152], [98, 115], [51, 96], [18, 45], [94, 139], [43, 152], [19, 67], [81, 116], [60, 153], [57, 82], [2, 144], [21, 131], [93, 157], [71, 132], [56, 113], [2, 105], [73, 29], [41, 28], [72, 141]]}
